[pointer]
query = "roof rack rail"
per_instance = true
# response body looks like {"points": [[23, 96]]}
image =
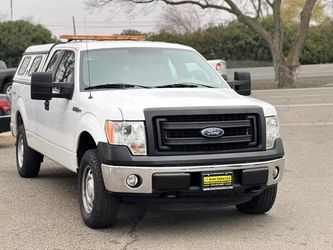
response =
{"points": [[101, 37]]}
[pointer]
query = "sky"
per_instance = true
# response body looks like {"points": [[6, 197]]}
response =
{"points": [[57, 15]]}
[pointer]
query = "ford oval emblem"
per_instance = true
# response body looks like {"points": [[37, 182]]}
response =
{"points": [[212, 132]]}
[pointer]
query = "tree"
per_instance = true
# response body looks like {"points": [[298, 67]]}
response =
{"points": [[131, 32], [16, 36], [250, 13], [175, 20], [291, 10]]}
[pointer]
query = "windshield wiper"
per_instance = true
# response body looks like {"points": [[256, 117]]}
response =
{"points": [[115, 86], [184, 85]]}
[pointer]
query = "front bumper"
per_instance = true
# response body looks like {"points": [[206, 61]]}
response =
{"points": [[115, 175]]}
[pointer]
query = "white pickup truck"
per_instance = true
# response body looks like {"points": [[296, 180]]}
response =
{"points": [[144, 122]]}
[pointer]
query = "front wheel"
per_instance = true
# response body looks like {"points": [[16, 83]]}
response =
{"points": [[261, 203], [98, 208]]}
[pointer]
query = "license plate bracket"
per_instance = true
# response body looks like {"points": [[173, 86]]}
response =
{"points": [[217, 181]]}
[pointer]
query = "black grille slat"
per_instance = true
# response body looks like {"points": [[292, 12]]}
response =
{"points": [[205, 118], [195, 141], [188, 133], [202, 125]]}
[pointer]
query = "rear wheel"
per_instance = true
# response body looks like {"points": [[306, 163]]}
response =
{"points": [[261, 203], [27, 160], [98, 208]]}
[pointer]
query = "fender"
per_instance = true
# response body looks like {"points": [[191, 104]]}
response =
{"points": [[20, 108], [90, 123]]}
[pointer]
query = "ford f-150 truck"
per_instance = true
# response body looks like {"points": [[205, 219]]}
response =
{"points": [[144, 122]]}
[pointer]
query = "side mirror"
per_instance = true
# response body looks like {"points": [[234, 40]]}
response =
{"points": [[42, 87], [241, 83]]}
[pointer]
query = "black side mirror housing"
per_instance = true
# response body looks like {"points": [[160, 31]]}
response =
{"points": [[241, 83], [42, 87]]}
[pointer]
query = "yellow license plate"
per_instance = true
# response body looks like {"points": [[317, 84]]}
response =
{"points": [[217, 181]]}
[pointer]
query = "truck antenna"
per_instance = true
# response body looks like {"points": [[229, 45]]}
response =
{"points": [[88, 60]]}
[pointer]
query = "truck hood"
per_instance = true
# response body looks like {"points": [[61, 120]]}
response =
{"points": [[133, 102]]}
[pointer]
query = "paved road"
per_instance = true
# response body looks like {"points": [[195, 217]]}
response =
{"points": [[319, 75], [43, 212], [306, 71]]}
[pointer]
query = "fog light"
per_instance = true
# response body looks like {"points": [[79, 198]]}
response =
{"points": [[276, 173], [133, 181]]}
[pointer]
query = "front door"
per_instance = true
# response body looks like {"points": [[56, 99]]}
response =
{"points": [[55, 119]]}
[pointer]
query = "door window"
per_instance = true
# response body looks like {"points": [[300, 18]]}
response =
{"points": [[65, 71], [53, 61]]}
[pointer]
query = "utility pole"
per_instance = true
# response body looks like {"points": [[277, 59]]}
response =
{"points": [[74, 26], [11, 10]]}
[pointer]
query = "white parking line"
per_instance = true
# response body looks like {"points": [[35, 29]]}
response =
{"points": [[292, 90], [304, 105], [297, 124], [293, 96]]}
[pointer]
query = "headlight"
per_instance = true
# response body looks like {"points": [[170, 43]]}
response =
{"points": [[272, 131], [130, 134]]}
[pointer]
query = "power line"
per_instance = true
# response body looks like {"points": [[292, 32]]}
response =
{"points": [[98, 26], [103, 22], [11, 10]]}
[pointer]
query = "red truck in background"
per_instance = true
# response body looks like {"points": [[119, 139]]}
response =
{"points": [[4, 114]]}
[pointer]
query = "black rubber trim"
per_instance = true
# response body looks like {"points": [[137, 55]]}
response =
{"points": [[257, 176], [121, 156], [171, 181], [221, 197]]}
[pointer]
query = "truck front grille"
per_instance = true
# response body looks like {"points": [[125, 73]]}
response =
{"points": [[181, 133]]}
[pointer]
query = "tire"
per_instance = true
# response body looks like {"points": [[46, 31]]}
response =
{"points": [[7, 89], [27, 160], [98, 208], [261, 203]]}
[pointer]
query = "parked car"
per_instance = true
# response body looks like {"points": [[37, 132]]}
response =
{"points": [[3, 65], [6, 78], [4, 114], [144, 122], [220, 66]]}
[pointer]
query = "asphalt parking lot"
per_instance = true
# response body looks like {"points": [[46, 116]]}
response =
{"points": [[43, 212]]}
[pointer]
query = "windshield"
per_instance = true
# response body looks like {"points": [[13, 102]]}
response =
{"points": [[147, 67]]}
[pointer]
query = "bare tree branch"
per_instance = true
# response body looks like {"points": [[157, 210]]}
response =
{"points": [[302, 33]]}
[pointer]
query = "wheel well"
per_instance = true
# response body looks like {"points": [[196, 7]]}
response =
{"points": [[86, 142], [19, 119]]}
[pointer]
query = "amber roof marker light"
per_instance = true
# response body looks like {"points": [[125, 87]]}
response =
{"points": [[101, 37]]}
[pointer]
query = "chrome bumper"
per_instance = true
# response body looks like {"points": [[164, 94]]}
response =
{"points": [[115, 176]]}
